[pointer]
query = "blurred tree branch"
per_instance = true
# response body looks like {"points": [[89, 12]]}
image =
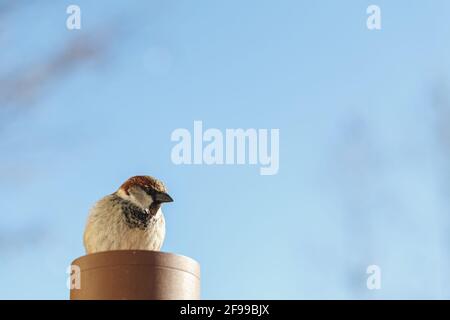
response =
{"points": [[22, 86]]}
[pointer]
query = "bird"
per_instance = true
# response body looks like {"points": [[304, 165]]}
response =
{"points": [[128, 219]]}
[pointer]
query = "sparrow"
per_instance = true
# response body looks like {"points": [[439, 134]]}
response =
{"points": [[128, 219]]}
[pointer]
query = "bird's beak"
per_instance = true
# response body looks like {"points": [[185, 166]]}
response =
{"points": [[162, 197]]}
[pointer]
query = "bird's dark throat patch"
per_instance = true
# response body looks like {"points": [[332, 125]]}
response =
{"points": [[134, 216]]}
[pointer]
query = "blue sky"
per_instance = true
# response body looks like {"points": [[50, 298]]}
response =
{"points": [[363, 171]]}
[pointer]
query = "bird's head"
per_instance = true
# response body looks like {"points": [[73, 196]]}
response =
{"points": [[145, 192]]}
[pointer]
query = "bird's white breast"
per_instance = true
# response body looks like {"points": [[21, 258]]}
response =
{"points": [[107, 230]]}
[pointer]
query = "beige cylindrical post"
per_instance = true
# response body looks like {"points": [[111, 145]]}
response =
{"points": [[135, 275]]}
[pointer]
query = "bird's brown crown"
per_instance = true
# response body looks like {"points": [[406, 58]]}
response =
{"points": [[145, 182]]}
